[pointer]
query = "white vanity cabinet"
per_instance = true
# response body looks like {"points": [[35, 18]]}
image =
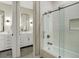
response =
{"points": [[5, 41], [26, 39]]}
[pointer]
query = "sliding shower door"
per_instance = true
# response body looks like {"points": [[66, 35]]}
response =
{"points": [[55, 25], [50, 41], [47, 33], [69, 31]]}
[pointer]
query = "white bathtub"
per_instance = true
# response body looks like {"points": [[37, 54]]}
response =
{"points": [[64, 53]]}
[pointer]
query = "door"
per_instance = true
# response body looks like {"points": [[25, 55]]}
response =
{"points": [[62, 29], [69, 20], [50, 40]]}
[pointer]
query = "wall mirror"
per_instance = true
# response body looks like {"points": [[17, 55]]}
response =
{"points": [[1, 21]]}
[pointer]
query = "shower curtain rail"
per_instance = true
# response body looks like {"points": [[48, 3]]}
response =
{"points": [[59, 8]]}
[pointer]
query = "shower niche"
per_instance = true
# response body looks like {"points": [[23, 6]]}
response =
{"points": [[74, 24]]}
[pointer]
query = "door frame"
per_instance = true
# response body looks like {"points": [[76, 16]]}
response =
{"points": [[36, 28], [15, 29], [38, 32]]}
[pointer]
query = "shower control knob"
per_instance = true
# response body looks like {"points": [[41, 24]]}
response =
{"points": [[12, 34], [48, 36], [59, 56], [49, 43]]}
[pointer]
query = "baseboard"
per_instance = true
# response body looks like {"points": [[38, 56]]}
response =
{"points": [[21, 48], [26, 46], [5, 50]]}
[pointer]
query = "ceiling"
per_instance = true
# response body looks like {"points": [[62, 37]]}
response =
{"points": [[25, 4]]}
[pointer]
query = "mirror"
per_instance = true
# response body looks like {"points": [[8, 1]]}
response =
{"points": [[1, 21]]}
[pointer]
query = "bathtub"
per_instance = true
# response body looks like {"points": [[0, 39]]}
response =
{"points": [[64, 53]]}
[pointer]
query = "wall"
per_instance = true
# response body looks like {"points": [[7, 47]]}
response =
{"points": [[5, 37], [8, 16], [45, 6], [27, 4], [26, 37]]}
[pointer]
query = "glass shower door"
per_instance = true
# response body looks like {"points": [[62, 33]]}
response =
{"points": [[55, 23], [51, 33], [46, 24], [69, 34]]}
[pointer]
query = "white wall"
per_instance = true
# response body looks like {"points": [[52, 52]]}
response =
{"points": [[57, 4], [7, 16], [45, 6], [27, 4], [7, 2]]}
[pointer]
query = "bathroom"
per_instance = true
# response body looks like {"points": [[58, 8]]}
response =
{"points": [[39, 29]]}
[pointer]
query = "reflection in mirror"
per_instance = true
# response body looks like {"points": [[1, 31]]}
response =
{"points": [[5, 29], [25, 22], [1, 21], [26, 28]]}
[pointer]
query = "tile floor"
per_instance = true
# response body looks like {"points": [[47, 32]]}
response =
{"points": [[25, 53]]}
